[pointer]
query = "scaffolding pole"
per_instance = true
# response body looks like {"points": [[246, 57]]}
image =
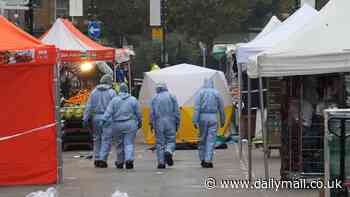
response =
{"points": [[240, 108], [58, 124], [249, 132], [263, 124]]}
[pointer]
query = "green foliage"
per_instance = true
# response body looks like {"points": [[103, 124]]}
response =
{"points": [[188, 22], [122, 18], [180, 50], [204, 20]]}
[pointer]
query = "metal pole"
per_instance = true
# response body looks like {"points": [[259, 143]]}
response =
{"points": [[55, 10], [263, 125], [164, 25], [300, 134], [2, 7], [129, 76], [58, 124], [115, 72], [204, 57], [239, 66], [249, 133]]}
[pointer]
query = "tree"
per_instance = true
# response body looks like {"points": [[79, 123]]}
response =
{"points": [[204, 20], [123, 18]]}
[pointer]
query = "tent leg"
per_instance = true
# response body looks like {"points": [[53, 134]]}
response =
{"points": [[115, 72], [129, 76], [249, 133], [58, 124], [263, 127], [240, 108]]}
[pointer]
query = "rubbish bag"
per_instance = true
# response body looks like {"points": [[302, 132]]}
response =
{"points": [[50, 192], [118, 193]]}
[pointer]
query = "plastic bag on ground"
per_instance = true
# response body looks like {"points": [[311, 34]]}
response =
{"points": [[50, 192], [118, 193]]}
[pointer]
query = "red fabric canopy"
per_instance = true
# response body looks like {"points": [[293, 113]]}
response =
{"points": [[27, 118]]}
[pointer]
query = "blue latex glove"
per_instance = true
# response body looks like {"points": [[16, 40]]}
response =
{"points": [[85, 123], [222, 124], [100, 124], [152, 129], [139, 125], [104, 124]]}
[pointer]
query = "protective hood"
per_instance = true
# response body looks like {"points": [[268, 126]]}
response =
{"points": [[124, 91], [103, 87], [161, 87], [107, 79], [124, 88], [208, 83]]}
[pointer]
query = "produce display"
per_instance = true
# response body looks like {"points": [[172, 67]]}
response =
{"points": [[73, 112], [80, 98], [74, 107]]}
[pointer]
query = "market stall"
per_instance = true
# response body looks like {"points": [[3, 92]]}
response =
{"points": [[337, 151], [251, 87], [82, 63], [29, 138], [313, 65], [185, 90]]}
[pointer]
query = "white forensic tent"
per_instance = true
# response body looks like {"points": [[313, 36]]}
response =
{"points": [[184, 81], [322, 47], [290, 26]]}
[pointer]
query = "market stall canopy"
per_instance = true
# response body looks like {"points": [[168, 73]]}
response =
{"points": [[17, 46], [28, 123], [290, 26], [184, 81], [322, 47], [74, 46], [273, 23], [221, 50]]}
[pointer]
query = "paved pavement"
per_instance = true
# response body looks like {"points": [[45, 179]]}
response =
{"points": [[186, 178]]}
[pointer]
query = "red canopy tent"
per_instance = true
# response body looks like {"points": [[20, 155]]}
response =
{"points": [[27, 119], [75, 46]]}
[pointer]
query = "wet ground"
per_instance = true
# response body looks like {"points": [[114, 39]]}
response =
{"points": [[185, 178]]}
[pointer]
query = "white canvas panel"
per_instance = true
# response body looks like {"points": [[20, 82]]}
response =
{"points": [[295, 23], [322, 47], [62, 38]]}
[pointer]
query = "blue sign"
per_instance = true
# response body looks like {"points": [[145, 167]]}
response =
{"points": [[94, 29]]}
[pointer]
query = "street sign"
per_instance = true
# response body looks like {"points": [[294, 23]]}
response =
{"points": [[76, 8], [13, 5], [155, 14], [157, 33], [16, 2], [94, 29]]}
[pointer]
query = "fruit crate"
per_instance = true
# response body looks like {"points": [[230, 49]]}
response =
{"points": [[75, 135], [72, 112]]}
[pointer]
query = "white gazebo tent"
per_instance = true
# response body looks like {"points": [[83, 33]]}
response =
{"points": [[321, 47], [290, 26], [184, 81], [295, 23], [273, 23]]}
